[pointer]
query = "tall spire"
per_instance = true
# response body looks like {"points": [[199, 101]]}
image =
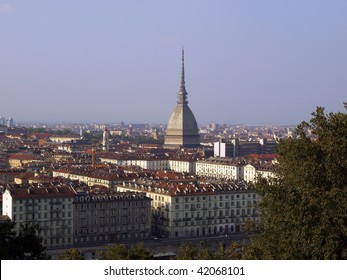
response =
{"points": [[182, 73], [182, 94]]}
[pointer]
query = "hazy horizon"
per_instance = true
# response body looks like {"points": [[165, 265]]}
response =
{"points": [[246, 62]]}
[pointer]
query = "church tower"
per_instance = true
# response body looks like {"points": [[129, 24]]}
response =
{"points": [[182, 129]]}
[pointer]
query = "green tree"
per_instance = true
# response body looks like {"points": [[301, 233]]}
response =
{"points": [[114, 252], [72, 254], [233, 252], [122, 252], [7, 235], [190, 251], [303, 211], [139, 252], [26, 245]]}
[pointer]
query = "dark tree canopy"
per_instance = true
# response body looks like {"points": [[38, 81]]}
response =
{"points": [[26, 245], [304, 210], [121, 252], [72, 254]]}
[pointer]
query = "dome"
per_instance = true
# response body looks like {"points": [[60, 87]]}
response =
{"points": [[182, 129], [182, 119]]}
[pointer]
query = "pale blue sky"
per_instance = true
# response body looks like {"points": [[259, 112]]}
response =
{"points": [[250, 62]]}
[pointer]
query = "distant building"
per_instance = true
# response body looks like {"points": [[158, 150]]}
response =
{"points": [[19, 160], [220, 168], [3, 129], [10, 123], [237, 148], [7, 176], [222, 149], [105, 140], [182, 129], [89, 176], [64, 138]]}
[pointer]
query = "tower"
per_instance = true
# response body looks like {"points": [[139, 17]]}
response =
{"points": [[182, 129], [10, 123], [105, 140]]}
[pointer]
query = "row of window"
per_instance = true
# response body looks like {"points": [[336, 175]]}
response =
{"points": [[112, 229]]}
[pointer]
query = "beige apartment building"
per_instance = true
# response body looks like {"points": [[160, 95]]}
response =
{"points": [[220, 168], [105, 216], [92, 177], [48, 205], [78, 215], [195, 209]]}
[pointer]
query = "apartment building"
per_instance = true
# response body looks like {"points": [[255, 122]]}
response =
{"points": [[74, 214], [7, 176], [252, 171], [220, 168], [103, 216], [92, 176], [188, 209], [178, 163], [48, 205]]}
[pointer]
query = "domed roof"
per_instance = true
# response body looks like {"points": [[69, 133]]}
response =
{"points": [[182, 129], [182, 119]]}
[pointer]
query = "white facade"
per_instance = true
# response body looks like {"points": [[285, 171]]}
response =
{"points": [[104, 179], [220, 169], [249, 173], [181, 166], [52, 213], [188, 211], [177, 165], [219, 149], [252, 172]]}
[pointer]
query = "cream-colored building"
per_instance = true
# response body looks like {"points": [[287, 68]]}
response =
{"points": [[183, 164], [153, 163], [249, 173], [64, 138], [19, 160], [196, 209], [91, 177], [252, 171], [220, 168], [49, 206]]}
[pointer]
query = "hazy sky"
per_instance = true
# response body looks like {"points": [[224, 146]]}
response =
{"points": [[252, 62]]}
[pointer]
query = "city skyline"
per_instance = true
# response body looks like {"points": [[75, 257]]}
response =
{"points": [[249, 62]]}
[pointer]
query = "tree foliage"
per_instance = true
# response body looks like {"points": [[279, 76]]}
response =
{"points": [[7, 235], [72, 254], [304, 209], [121, 252], [200, 251], [26, 245], [190, 251]]}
